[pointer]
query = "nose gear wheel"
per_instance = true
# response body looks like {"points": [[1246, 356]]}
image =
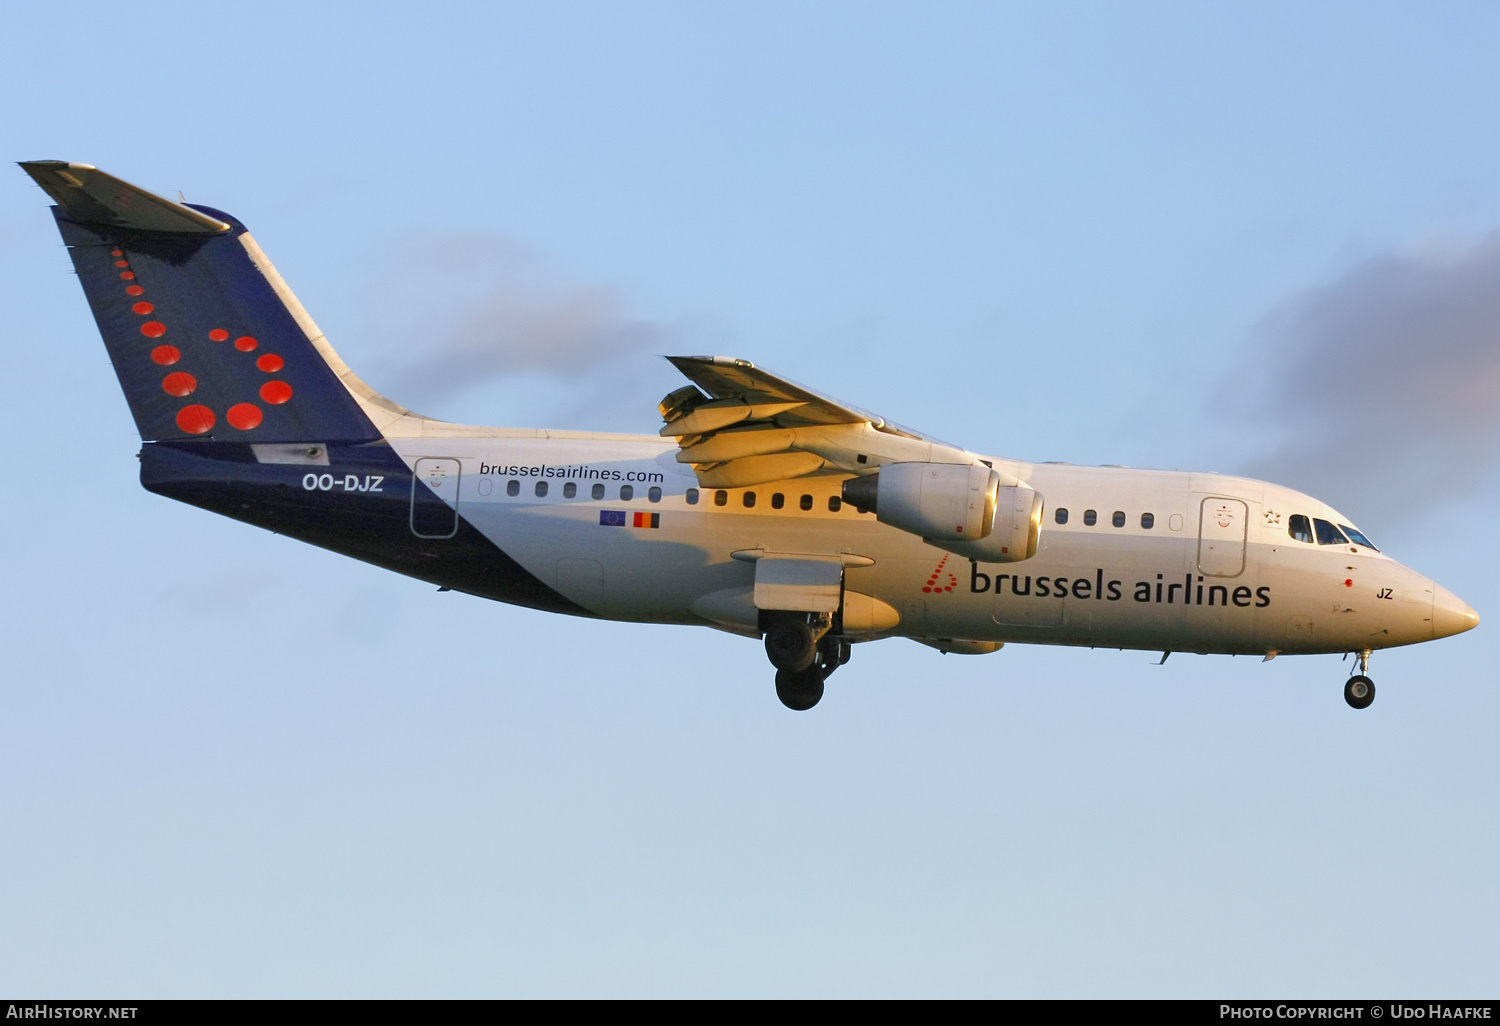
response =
{"points": [[1359, 692]]}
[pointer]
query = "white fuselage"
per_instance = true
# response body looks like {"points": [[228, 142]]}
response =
{"points": [[1210, 567]]}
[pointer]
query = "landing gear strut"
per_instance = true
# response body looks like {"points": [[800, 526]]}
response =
{"points": [[792, 640], [1359, 691], [804, 654]]}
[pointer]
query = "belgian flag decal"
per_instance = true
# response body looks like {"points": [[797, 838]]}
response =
{"points": [[622, 518]]}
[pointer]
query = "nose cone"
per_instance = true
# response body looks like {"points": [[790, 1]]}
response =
{"points": [[1450, 614]]}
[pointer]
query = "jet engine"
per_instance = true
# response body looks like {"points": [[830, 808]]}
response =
{"points": [[959, 507]]}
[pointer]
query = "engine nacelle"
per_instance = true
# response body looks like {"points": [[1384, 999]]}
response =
{"points": [[939, 501], [1018, 528], [959, 507]]}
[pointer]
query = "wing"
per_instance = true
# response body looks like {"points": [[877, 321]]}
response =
{"points": [[739, 425]]}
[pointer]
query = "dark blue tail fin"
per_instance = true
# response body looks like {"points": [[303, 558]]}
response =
{"points": [[202, 338]]}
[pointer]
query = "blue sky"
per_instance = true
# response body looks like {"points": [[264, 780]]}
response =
{"points": [[1171, 235]]}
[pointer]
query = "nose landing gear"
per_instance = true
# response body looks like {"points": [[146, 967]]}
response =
{"points": [[1359, 690]]}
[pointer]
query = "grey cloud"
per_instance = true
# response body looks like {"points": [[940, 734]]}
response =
{"points": [[510, 329], [1380, 391], [466, 310]]}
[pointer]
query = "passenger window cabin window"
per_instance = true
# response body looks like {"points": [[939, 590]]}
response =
{"points": [[777, 500], [1328, 534], [627, 492], [654, 494], [1148, 521], [512, 487], [597, 491], [748, 499], [692, 496], [806, 502], [569, 490], [835, 504], [1299, 528], [1119, 518], [721, 498], [1090, 517], [1061, 515], [1357, 538], [541, 489]]}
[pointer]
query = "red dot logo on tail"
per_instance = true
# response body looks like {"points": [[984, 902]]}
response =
{"points": [[179, 383], [244, 416], [195, 419]]}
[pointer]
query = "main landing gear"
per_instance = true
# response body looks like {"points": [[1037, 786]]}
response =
{"points": [[804, 653], [1359, 691]]}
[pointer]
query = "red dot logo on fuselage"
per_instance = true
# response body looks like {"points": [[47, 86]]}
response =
{"points": [[941, 579]]}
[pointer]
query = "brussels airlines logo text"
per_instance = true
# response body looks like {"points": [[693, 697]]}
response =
{"points": [[1166, 589]]}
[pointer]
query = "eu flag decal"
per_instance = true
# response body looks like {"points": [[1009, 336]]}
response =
{"points": [[648, 520], [612, 518]]}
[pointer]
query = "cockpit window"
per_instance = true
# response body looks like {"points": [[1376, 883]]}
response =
{"points": [[1328, 534], [1299, 528], [1357, 538]]}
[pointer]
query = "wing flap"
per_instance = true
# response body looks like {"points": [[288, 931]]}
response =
{"points": [[733, 445], [714, 416], [756, 470]]}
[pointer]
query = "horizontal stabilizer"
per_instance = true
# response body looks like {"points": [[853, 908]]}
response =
{"points": [[90, 196]]}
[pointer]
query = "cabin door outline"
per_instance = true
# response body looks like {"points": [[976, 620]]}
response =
{"points": [[434, 497], [1222, 527]]}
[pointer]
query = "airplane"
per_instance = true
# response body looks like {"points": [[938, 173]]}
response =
{"points": [[761, 508]]}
